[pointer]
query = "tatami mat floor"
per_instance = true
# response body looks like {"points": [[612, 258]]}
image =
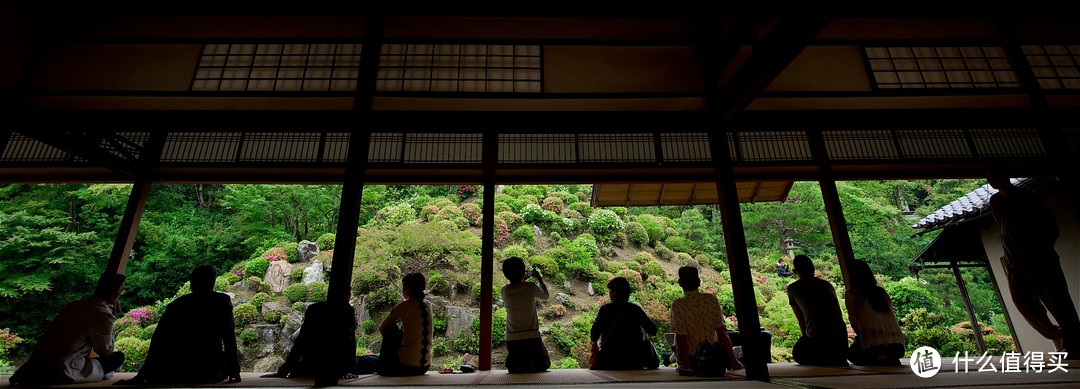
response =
{"points": [[784, 375]]}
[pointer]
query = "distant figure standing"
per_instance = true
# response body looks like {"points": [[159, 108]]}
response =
{"points": [[617, 331], [62, 356], [824, 335], [194, 343], [525, 350], [1036, 282], [878, 338], [782, 269]]}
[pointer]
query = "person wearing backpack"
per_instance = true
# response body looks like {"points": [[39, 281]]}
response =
{"points": [[701, 340]]}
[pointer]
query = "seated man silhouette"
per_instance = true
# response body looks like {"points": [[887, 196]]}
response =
{"points": [[824, 335], [62, 354], [194, 343], [310, 347]]}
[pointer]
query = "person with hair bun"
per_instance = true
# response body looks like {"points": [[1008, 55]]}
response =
{"points": [[406, 350]]}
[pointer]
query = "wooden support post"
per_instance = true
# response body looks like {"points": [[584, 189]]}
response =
{"points": [[833, 208], [341, 264], [487, 250], [129, 227], [352, 192], [967, 305], [756, 359]]}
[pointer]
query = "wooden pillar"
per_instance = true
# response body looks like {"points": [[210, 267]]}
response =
{"points": [[833, 208], [487, 251], [967, 305], [742, 284], [129, 227], [352, 192]]}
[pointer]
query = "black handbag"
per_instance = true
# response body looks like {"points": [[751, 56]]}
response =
{"points": [[652, 359], [710, 360]]}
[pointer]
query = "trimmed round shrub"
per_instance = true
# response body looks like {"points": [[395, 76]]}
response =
{"points": [[233, 278], [604, 223], [297, 274], [258, 299], [679, 243], [516, 250], [272, 316], [326, 241], [582, 207], [147, 333], [249, 336], [295, 292], [548, 267], [473, 213], [637, 234], [256, 284], [129, 332], [134, 350], [501, 207], [245, 314], [276, 254], [553, 204], [316, 291], [524, 234], [221, 283], [653, 269], [290, 251], [643, 257], [394, 215], [257, 267]]}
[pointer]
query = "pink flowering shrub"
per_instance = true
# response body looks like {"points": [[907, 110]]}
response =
{"points": [[275, 254], [142, 316]]}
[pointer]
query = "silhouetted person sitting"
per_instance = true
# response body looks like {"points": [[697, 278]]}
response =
{"points": [[878, 339], [194, 342], [824, 335], [1032, 267], [314, 338], [616, 332], [781, 269], [697, 317], [406, 351], [525, 351], [62, 356]]}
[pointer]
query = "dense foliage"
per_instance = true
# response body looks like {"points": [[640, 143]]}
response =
{"points": [[55, 239]]}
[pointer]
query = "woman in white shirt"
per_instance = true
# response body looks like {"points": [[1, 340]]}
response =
{"points": [[878, 339]]}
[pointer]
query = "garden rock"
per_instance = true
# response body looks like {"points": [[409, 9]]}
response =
{"points": [[268, 334], [272, 306], [590, 290], [313, 273], [307, 250], [561, 298], [458, 320], [269, 364], [277, 275]]}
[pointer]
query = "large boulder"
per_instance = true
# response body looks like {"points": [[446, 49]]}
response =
{"points": [[459, 319], [277, 275], [269, 364], [359, 304], [307, 250], [313, 273], [268, 336]]}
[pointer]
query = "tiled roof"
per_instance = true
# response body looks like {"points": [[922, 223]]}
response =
{"points": [[972, 204]]}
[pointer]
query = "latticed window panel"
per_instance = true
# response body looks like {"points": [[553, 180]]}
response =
{"points": [[936, 143], [21, 148], [201, 147], [425, 148], [940, 67], [125, 144], [1073, 137], [861, 144], [601, 148], [1007, 142], [304, 67], [537, 148], [460, 68], [770, 146], [1055, 66], [280, 147], [685, 147]]}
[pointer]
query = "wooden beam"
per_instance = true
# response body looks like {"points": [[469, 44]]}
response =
{"points": [[967, 306], [663, 188], [833, 208], [129, 227]]}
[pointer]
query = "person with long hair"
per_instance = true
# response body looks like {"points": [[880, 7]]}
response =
{"points": [[878, 339], [406, 351]]}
